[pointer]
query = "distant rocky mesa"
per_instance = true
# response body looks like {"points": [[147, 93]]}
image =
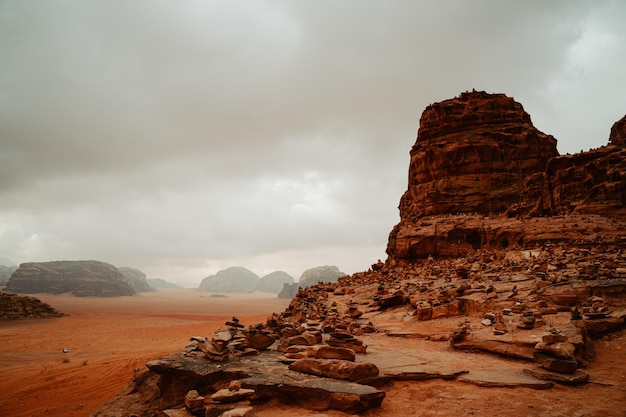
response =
{"points": [[81, 278], [136, 278], [478, 160], [233, 279], [274, 282], [325, 273]]}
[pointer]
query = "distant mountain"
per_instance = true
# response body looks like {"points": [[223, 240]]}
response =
{"points": [[233, 279], [161, 284], [136, 278], [274, 282], [82, 278], [320, 274], [5, 273]]}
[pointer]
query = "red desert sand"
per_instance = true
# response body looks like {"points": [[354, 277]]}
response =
{"points": [[106, 340]]}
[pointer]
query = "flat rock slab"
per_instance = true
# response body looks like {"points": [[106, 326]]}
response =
{"points": [[402, 365], [270, 378], [578, 377], [509, 379], [498, 347]]}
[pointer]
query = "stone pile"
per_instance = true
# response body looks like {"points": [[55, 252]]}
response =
{"points": [[234, 341]]}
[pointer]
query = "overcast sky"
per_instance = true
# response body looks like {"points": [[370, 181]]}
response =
{"points": [[184, 137]]}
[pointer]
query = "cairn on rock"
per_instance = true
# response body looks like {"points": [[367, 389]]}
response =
{"points": [[555, 353], [527, 320], [217, 348]]}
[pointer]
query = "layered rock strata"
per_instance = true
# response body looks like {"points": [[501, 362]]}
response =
{"points": [[471, 155], [478, 159]]}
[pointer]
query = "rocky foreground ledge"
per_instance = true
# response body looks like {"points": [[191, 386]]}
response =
{"points": [[338, 345]]}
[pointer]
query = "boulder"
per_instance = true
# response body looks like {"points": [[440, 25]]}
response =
{"points": [[552, 363], [333, 352], [333, 368]]}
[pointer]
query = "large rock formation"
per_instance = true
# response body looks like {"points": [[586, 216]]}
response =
{"points": [[136, 278], [82, 278], [318, 274], [274, 282], [471, 155], [478, 159], [586, 182], [618, 133], [233, 279]]}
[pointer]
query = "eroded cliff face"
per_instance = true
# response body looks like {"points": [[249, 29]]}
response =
{"points": [[471, 156], [592, 182], [480, 170]]}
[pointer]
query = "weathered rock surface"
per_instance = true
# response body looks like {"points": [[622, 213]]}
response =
{"points": [[472, 154], [233, 279], [592, 182], [336, 368], [509, 379], [175, 375], [618, 133], [319, 274], [577, 377], [477, 157], [17, 307], [136, 278], [274, 282], [82, 278]]}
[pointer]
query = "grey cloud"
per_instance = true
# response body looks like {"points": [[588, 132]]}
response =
{"points": [[182, 135]]}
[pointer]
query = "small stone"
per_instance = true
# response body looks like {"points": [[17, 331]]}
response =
{"points": [[562, 350], [566, 366], [333, 352], [234, 386], [194, 400], [227, 396]]}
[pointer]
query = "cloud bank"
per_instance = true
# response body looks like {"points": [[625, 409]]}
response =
{"points": [[185, 137]]}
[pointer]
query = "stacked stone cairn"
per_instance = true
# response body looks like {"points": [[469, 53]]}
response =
{"points": [[227, 402], [556, 355], [234, 341]]}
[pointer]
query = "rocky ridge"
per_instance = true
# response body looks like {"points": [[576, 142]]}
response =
{"points": [[533, 292], [18, 307]]}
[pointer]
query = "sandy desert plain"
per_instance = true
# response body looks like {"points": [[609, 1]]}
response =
{"points": [[109, 339], [106, 339]]}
